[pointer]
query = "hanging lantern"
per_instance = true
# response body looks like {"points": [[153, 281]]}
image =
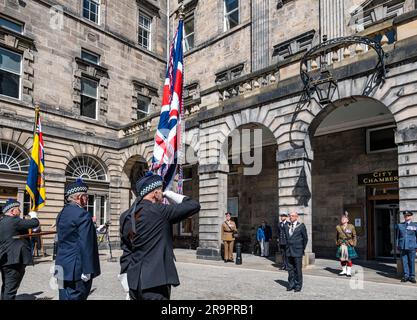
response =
{"points": [[325, 87]]}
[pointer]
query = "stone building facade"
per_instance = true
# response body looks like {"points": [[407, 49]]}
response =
{"points": [[242, 72]]}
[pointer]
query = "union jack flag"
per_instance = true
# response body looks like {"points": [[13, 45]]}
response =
{"points": [[168, 137]]}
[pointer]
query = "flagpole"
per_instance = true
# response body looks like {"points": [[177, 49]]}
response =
{"points": [[37, 111]]}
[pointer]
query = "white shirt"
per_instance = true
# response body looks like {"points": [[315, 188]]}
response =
{"points": [[292, 227]]}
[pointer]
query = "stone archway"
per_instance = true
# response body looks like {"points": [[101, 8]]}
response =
{"points": [[350, 138], [134, 168], [252, 195]]}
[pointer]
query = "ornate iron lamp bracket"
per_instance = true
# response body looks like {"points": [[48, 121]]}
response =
{"points": [[319, 74]]}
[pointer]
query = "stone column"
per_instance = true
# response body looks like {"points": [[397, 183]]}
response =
{"points": [[213, 200], [294, 190]]}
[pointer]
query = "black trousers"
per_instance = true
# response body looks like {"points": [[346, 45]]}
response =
{"points": [[295, 273], [156, 293], [283, 249], [11, 277]]}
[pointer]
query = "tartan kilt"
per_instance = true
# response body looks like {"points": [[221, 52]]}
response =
{"points": [[351, 252]]}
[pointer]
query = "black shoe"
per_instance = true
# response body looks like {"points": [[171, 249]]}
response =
{"points": [[225, 261], [297, 290], [404, 279], [412, 280], [290, 289]]}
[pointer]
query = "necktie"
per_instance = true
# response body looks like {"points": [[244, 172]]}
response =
{"points": [[292, 229]]}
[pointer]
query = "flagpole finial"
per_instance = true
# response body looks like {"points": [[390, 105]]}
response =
{"points": [[181, 11]]}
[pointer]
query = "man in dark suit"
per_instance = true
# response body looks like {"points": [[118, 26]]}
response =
{"points": [[77, 260], [296, 243], [15, 254], [282, 239], [146, 236]]}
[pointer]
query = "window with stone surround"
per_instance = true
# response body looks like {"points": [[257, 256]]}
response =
{"points": [[231, 14], [229, 74], [374, 11], [90, 57], [91, 10], [144, 99], [143, 106], [293, 46], [11, 24], [89, 98], [87, 168], [145, 30], [16, 61], [13, 158], [189, 32], [10, 73], [90, 89]]}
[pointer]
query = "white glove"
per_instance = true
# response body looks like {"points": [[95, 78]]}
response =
{"points": [[85, 277], [173, 197], [33, 215], [123, 281]]}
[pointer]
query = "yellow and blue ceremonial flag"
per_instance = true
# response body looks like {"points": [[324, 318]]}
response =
{"points": [[35, 184]]}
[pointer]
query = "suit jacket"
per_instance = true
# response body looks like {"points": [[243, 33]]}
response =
{"points": [[151, 261], [282, 235], [77, 250], [226, 232], [15, 251], [296, 244], [407, 236]]}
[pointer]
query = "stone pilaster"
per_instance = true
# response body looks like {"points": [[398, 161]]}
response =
{"points": [[294, 190], [407, 167], [213, 200], [260, 34]]}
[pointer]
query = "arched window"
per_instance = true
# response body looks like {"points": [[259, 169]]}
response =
{"points": [[86, 167], [13, 158]]}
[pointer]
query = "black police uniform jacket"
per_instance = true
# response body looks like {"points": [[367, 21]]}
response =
{"points": [[148, 254], [15, 251], [77, 251]]}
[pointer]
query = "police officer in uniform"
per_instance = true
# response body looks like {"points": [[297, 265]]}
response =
{"points": [[407, 244], [282, 239], [146, 237], [15, 254], [77, 260]]}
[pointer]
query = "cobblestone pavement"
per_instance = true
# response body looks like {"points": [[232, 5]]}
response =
{"points": [[257, 278]]}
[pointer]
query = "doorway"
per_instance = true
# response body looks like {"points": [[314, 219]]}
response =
{"points": [[383, 215], [386, 217]]}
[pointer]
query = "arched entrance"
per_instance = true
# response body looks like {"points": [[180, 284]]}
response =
{"points": [[134, 168], [355, 169], [252, 195]]}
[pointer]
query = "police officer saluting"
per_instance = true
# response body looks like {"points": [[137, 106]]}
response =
{"points": [[146, 236], [407, 244], [77, 260], [15, 254]]}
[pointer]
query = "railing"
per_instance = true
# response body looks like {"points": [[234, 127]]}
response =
{"points": [[137, 127], [245, 84]]}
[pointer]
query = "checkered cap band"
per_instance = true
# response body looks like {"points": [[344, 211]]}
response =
{"points": [[76, 189], [9, 206], [150, 187]]}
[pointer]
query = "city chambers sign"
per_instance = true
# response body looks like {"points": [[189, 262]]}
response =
{"points": [[378, 177]]}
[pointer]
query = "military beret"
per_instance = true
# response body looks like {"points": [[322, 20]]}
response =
{"points": [[10, 204], [148, 183], [76, 187]]}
